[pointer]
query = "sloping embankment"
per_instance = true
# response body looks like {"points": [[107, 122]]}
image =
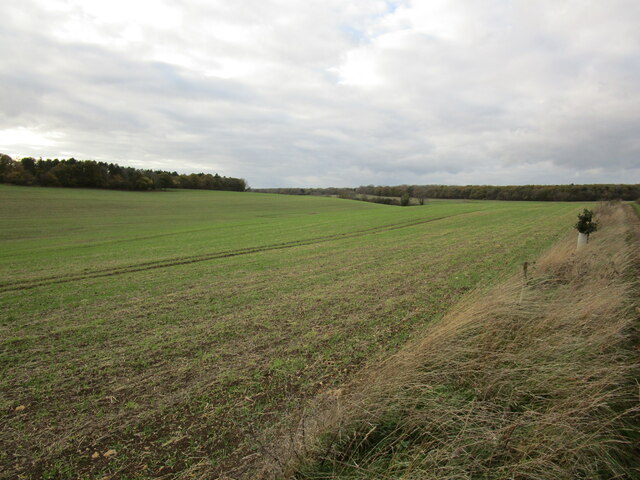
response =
{"points": [[533, 379]]}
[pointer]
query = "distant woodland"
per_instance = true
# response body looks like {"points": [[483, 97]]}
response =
{"points": [[92, 174], [555, 193]]}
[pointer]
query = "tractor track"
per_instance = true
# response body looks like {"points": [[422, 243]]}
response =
{"points": [[172, 262]]}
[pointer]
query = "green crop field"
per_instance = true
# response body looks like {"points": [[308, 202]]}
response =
{"points": [[150, 334]]}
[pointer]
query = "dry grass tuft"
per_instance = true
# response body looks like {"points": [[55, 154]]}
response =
{"points": [[532, 379]]}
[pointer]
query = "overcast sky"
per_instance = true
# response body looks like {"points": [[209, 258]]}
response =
{"points": [[329, 92]]}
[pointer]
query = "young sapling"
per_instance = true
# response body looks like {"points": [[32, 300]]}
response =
{"points": [[585, 226]]}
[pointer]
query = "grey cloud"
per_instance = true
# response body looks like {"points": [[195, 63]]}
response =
{"points": [[517, 99]]}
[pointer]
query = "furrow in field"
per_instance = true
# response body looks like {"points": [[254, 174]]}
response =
{"points": [[171, 262]]}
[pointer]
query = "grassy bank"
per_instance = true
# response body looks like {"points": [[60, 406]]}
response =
{"points": [[533, 379]]}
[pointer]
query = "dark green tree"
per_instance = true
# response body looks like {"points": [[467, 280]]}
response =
{"points": [[585, 223], [165, 180]]}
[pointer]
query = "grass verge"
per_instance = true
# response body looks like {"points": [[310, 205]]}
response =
{"points": [[533, 379]]}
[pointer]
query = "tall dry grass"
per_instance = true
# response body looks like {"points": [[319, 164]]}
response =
{"points": [[532, 379]]}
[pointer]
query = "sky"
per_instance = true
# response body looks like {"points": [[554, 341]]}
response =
{"points": [[318, 93]]}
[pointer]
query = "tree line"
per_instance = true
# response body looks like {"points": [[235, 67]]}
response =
{"points": [[551, 193], [91, 174]]}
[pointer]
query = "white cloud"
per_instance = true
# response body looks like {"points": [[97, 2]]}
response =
{"points": [[26, 138], [329, 92]]}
